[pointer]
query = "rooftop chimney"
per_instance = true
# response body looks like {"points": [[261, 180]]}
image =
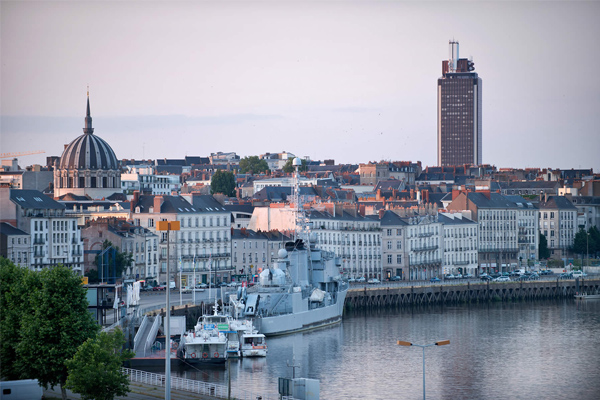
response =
{"points": [[158, 201]]}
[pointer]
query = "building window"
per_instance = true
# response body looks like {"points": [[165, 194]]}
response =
{"points": [[389, 258], [399, 259], [150, 222], [398, 232], [389, 245], [398, 245], [389, 232]]}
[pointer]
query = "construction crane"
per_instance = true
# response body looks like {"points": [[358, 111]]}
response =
{"points": [[23, 153]]}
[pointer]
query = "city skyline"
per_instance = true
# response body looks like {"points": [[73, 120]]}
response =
{"points": [[354, 82]]}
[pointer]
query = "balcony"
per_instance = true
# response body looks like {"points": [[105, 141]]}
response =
{"points": [[425, 248], [426, 263], [39, 241], [426, 234]]}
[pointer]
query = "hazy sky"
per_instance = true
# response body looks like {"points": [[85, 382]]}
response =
{"points": [[349, 81]]}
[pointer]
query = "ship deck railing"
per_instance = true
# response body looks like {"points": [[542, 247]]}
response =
{"points": [[193, 386]]}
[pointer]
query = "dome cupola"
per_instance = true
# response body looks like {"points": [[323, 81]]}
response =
{"points": [[88, 151]]}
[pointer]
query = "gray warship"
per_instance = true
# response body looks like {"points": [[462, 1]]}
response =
{"points": [[302, 290]]}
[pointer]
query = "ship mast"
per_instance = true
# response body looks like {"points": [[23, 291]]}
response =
{"points": [[298, 211]]}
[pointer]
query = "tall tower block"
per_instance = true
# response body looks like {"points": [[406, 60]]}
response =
{"points": [[459, 111]]}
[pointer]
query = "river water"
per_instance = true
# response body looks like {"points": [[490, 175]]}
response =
{"points": [[524, 350]]}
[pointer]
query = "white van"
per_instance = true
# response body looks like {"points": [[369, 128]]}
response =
{"points": [[577, 274], [26, 389], [171, 285]]}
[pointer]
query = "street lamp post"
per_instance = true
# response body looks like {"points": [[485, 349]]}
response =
{"points": [[438, 343], [587, 236], [168, 226]]}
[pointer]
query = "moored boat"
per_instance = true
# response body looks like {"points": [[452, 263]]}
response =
{"points": [[205, 344]]}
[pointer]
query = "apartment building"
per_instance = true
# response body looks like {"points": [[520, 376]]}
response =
{"points": [[254, 251], [54, 236], [15, 245], [528, 230], [558, 223], [200, 248], [393, 249], [498, 231], [352, 237], [459, 244], [138, 241], [424, 243]]}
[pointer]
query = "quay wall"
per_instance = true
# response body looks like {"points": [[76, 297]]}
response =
{"points": [[367, 296]]}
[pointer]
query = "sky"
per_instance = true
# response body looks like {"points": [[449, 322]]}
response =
{"points": [[352, 81]]}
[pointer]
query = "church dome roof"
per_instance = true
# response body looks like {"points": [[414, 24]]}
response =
{"points": [[88, 151]]}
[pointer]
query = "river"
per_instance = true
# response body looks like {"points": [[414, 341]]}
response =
{"points": [[523, 350]]}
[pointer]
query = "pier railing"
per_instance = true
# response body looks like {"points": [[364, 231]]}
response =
{"points": [[192, 386]]}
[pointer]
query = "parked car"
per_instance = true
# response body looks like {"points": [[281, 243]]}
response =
{"points": [[435, 279], [578, 274], [449, 276], [159, 287], [502, 278], [565, 275], [361, 279], [468, 276], [351, 280], [486, 278], [374, 281], [395, 278], [186, 289], [458, 276], [533, 276], [202, 286], [522, 278]]}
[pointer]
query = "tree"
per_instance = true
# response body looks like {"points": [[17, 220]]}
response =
{"points": [[580, 243], [253, 165], [59, 322], [16, 285], [594, 240], [223, 182], [543, 252], [105, 263], [95, 370], [289, 167], [92, 275]]}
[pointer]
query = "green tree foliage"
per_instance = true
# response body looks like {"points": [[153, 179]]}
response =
{"points": [[122, 261], [16, 285], [57, 325], [594, 240], [543, 251], [223, 182], [92, 275], [253, 165], [95, 370], [580, 243], [288, 168]]}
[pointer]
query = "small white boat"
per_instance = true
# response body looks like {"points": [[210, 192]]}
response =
{"points": [[254, 344], [584, 296]]}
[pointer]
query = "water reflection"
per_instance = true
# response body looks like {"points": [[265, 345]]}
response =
{"points": [[523, 350]]}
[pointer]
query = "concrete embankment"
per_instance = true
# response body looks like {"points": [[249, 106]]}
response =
{"points": [[403, 295]]}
